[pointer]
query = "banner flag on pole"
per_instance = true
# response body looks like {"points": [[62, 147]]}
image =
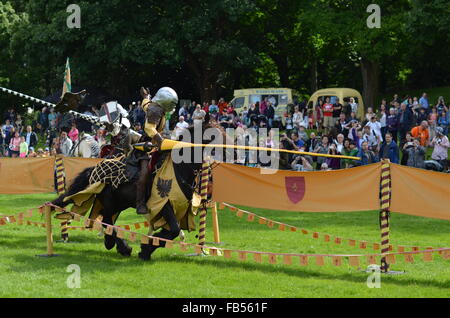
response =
{"points": [[67, 85]]}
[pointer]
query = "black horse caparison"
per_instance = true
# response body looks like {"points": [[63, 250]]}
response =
{"points": [[116, 200]]}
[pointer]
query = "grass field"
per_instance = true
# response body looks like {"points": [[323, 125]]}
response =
{"points": [[173, 274]]}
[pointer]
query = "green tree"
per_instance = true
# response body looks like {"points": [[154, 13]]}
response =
{"points": [[346, 23]]}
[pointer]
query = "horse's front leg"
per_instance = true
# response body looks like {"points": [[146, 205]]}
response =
{"points": [[151, 230], [112, 240], [169, 216], [121, 245]]}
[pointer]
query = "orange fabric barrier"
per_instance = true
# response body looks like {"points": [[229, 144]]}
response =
{"points": [[420, 192], [26, 175], [73, 166], [355, 189]]}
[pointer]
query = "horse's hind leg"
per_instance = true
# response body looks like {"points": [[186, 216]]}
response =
{"points": [[169, 216]]}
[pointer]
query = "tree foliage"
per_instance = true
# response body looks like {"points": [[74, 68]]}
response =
{"points": [[207, 48]]}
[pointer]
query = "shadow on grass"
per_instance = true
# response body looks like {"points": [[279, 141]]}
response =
{"points": [[354, 276], [97, 259]]}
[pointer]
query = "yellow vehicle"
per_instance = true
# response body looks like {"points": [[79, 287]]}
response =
{"points": [[341, 93], [279, 97]]}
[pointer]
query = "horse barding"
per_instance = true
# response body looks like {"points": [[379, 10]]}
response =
{"points": [[172, 196]]}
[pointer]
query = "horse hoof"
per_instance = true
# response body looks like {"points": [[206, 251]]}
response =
{"points": [[144, 256], [125, 251], [110, 242]]}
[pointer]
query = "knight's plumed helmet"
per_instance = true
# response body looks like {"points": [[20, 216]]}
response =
{"points": [[167, 98]]}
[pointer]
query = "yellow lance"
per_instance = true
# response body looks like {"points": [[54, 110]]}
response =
{"points": [[168, 144]]}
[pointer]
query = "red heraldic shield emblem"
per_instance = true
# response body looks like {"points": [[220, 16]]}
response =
{"points": [[295, 188]]}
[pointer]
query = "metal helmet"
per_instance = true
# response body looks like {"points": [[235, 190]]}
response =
{"points": [[167, 98]]}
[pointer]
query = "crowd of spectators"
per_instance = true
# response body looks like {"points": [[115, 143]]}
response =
{"points": [[400, 130]]}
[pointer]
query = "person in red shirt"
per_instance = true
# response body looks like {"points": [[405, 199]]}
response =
{"points": [[222, 105], [206, 107], [327, 115]]}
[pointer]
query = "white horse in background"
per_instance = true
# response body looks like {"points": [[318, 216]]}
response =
{"points": [[85, 147]]}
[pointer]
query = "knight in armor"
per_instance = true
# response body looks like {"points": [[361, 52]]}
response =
{"points": [[155, 109]]}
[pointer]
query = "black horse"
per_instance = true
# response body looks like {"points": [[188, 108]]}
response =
{"points": [[115, 200]]}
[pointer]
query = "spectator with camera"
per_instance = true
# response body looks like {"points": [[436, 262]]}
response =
{"points": [[295, 141], [350, 150], [375, 127], [322, 148], [416, 154], [366, 155], [372, 139], [333, 163], [408, 143], [440, 144], [353, 126], [300, 163]]}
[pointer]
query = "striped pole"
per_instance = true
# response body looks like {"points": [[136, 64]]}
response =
{"points": [[61, 188], [33, 99], [384, 212], [204, 179]]}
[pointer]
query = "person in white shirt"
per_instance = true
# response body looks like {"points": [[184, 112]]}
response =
{"points": [[180, 126], [199, 115], [354, 105], [65, 144], [375, 126], [372, 139], [297, 117], [339, 142]]}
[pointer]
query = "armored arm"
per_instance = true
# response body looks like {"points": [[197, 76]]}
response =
{"points": [[155, 119]]}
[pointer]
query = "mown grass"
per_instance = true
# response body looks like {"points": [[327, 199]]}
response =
{"points": [[173, 274]]}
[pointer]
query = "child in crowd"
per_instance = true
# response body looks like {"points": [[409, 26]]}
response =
{"points": [[23, 152]]}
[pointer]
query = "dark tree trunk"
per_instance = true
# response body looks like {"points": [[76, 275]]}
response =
{"points": [[313, 78], [208, 90], [283, 69], [370, 75], [205, 79]]}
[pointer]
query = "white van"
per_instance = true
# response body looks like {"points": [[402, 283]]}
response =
{"points": [[279, 97]]}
